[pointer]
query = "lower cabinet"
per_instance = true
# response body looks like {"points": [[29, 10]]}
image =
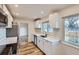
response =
{"points": [[38, 41], [47, 47], [11, 40], [44, 45], [41, 43]]}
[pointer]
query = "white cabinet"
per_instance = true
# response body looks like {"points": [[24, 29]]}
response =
{"points": [[47, 47], [44, 45], [11, 40], [40, 42], [37, 24], [10, 19], [54, 20]]}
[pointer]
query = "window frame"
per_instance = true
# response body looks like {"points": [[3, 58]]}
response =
{"points": [[75, 35], [47, 27]]}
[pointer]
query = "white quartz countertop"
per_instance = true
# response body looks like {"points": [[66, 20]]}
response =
{"points": [[49, 38], [9, 40], [37, 34], [52, 39]]}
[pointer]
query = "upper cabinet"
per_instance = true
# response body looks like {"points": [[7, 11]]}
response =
{"points": [[38, 24], [10, 19], [54, 20]]}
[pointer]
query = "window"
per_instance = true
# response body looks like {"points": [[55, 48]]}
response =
{"points": [[46, 27], [72, 30]]}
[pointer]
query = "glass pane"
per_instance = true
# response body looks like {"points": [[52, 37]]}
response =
{"points": [[46, 27], [49, 28], [72, 24], [72, 30]]}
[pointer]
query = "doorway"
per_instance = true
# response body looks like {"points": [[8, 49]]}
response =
{"points": [[23, 32]]}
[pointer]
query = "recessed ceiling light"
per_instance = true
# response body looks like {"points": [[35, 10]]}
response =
{"points": [[42, 12], [16, 5]]}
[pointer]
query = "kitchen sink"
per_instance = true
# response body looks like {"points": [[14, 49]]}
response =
{"points": [[43, 36]]}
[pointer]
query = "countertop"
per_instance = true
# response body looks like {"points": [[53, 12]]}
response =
{"points": [[61, 49], [49, 38], [9, 40]]}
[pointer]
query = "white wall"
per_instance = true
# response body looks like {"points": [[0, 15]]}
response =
{"points": [[74, 9]]}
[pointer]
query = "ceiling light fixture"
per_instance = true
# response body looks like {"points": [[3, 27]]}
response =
{"points": [[16, 5], [42, 12]]}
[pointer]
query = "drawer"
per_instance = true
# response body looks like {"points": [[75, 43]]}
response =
{"points": [[11, 40]]}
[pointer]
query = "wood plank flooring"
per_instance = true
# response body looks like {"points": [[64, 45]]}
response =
{"points": [[28, 49]]}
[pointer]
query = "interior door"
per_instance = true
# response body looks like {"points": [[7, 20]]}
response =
{"points": [[23, 32]]}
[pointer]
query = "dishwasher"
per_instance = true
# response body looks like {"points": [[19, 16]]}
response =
{"points": [[35, 39]]}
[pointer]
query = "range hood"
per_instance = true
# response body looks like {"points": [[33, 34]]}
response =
{"points": [[3, 19]]}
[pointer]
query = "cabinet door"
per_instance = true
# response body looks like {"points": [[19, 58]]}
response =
{"points": [[37, 24], [10, 19], [41, 43], [38, 42], [47, 47], [54, 20], [11, 40]]}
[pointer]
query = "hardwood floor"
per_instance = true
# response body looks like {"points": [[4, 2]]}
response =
{"points": [[28, 49]]}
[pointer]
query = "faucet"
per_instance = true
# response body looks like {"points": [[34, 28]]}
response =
{"points": [[45, 34]]}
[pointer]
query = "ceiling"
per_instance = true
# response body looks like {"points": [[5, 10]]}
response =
{"points": [[33, 11]]}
